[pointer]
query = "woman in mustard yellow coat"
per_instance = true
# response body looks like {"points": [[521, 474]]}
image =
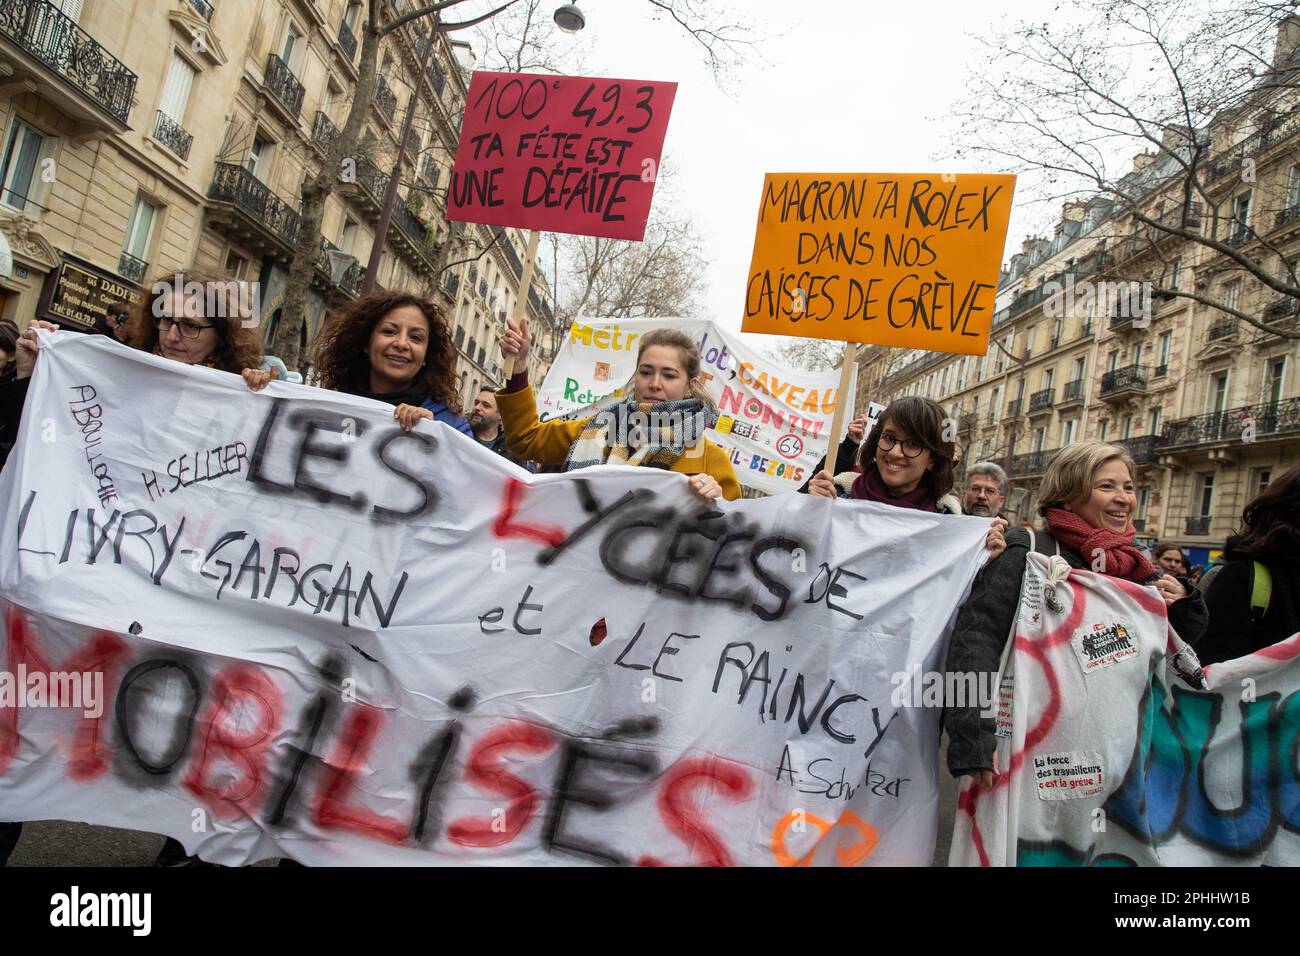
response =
{"points": [[660, 426]]}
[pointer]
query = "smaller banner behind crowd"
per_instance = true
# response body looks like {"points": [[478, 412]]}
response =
{"points": [[1119, 751], [275, 624], [774, 422]]}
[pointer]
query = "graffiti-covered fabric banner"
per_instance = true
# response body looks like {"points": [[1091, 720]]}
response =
{"points": [[276, 624], [774, 422], [1120, 751]]}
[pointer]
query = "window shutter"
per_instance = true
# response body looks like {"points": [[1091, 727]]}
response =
{"points": [[176, 91]]}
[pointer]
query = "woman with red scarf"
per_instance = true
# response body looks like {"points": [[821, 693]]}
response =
{"points": [[1087, 501]]}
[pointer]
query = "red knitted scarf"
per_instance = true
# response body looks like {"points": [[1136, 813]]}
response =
{"points": [[1122, 558]]}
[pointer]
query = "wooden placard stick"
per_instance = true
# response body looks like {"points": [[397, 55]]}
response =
{"points": [[844, 405], [521, 296]]}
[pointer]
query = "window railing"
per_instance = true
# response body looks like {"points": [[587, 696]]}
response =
{"points": [[385, 99], [236, 185], [1222, 329], [1141, 450], [168, 132], [284, 86], [1266, 420], [1288, 215], [1073, 391], [348, 40], [1041, 399], [1034, 463], [1198, 524], [1129, 378], [55, 40], [323, 131], [1013, 409], [129, 267]]}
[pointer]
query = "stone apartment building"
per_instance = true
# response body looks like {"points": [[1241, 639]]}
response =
{"points": [[143, 136], [1207, 405]]}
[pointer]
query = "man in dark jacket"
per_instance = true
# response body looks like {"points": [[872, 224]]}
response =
{"points": [[485, 419]]}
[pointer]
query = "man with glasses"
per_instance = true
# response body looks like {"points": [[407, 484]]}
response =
{"points": [[986, 490]]}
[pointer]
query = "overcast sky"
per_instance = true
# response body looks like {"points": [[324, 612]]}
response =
{"points": [[847, 86]]}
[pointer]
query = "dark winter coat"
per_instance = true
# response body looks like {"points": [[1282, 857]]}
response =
{"points": [[1232, 633]]}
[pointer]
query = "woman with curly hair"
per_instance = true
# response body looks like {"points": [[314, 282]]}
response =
{"points": [[393, 347]]}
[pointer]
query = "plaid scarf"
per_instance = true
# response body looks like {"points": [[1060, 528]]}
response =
{"points": [[623, 432]]}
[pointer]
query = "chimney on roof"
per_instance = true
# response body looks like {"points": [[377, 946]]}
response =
{"points": [[1142, 160], [1174, 138], [1288, 39], [1074, 211]]}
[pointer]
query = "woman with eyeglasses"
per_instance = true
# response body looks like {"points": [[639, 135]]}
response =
{"points": [[173, 321]]}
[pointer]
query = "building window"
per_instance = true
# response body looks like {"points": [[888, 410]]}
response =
{"points": [[1293, 188], [1175, 273], [289, 51], [139, 228], [236, 265], [1128, 427], [24, 148], [1166, 342], [1204, 495], [176, 89], [1144, 502], [1103, 428], [1112, 361], [1259, 480], [1040, 437], [1232, 294], [1273, 384], [1154, 420], [1218, 392], [1240, 214], [1068, 431], [348, 235], [259, 157]]}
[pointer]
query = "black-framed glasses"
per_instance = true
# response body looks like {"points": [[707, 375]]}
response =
{"points": [[911, 448], [188, 329]]}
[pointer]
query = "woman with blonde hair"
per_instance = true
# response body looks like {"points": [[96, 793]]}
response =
{"points": [[1087, 501], [660, 424]]}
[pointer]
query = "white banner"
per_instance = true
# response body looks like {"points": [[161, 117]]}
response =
{"points": [[1114, 755], [275, 624], [775, 422]]}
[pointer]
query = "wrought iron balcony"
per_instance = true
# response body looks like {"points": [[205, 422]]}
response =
{"points": [[1160, 372], [1041, 400], [1238, 236], [1230, 161], [284, 86], [203, 8], [1288, 215], [246, 193], [1281, 307], [324, 132], [436, 77], [46, 34], [1013, 409], [385, 99], [451, 282], [1034, 463], [1198, 524], [1141, 450], [129, 267], [1131, 379], [1072, 392], [1093, 262], [1222, 329], [348, 40], [372, 182], [168, 132], [967, 421], [406, 221], [1258, 422]]}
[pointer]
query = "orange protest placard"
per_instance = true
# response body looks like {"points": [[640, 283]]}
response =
{"points": [[902, 259]]}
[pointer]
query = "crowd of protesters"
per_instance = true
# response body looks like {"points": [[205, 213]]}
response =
{"points": [[396, 348]]}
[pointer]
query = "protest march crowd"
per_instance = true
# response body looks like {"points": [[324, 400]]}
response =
{"points": [[396, 348]]}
